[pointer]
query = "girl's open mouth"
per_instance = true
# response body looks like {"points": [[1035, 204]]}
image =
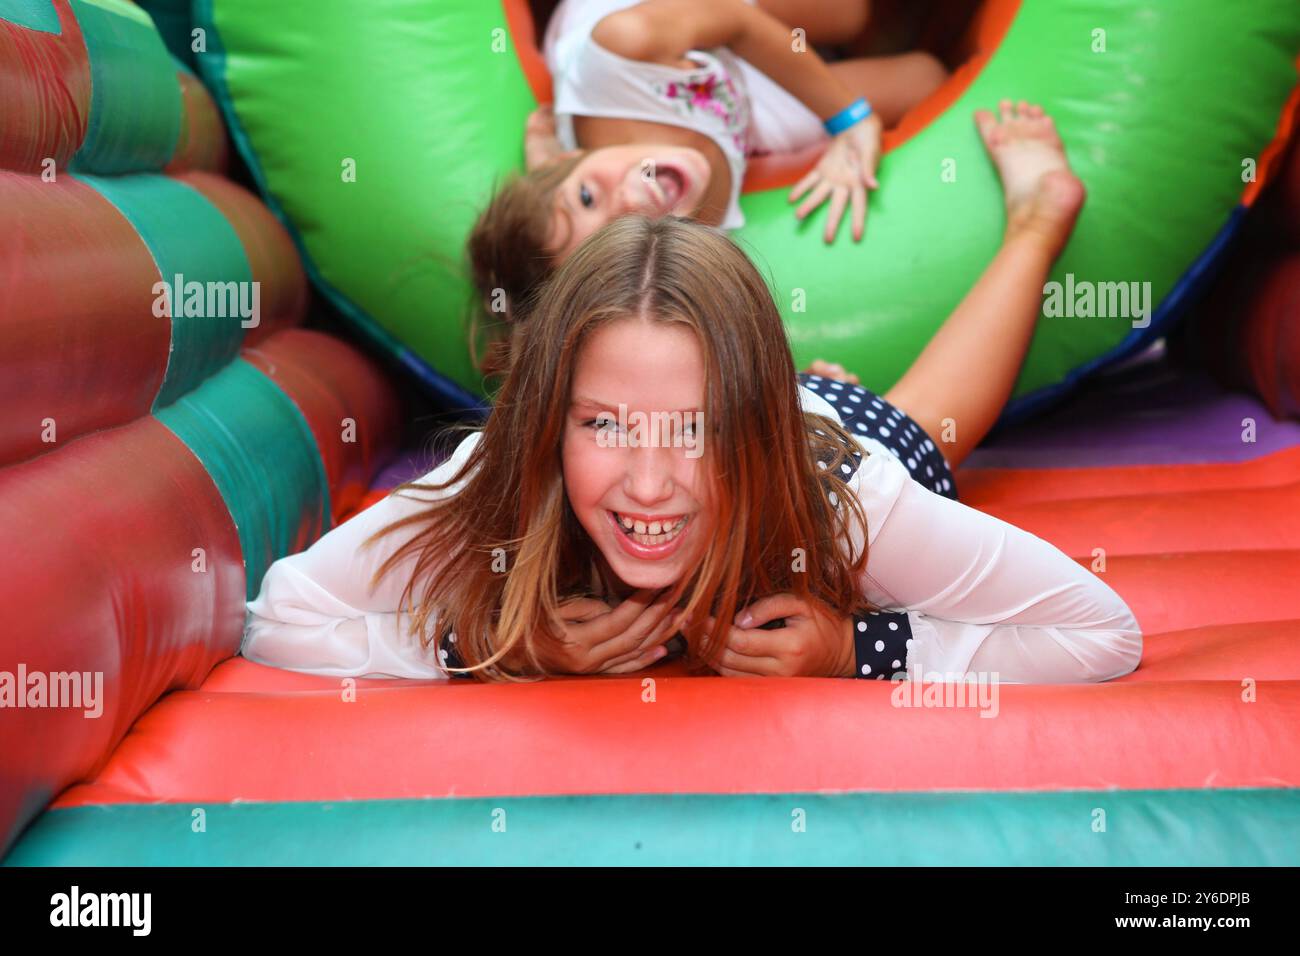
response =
{"points": [[672, 183], [649, 540]]}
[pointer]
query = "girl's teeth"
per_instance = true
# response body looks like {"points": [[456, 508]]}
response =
{"points": [[655, 529]]}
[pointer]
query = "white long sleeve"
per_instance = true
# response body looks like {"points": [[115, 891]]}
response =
{"points": [[316, 613], [982, 595]]}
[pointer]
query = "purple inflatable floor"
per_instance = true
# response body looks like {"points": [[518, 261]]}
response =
{"points": [[1144, 414]]}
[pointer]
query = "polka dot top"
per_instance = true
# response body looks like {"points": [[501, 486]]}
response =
{"points": [[862, 412]]}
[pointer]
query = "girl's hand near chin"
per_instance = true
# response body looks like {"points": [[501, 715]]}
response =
{"points": [[599, 639], [844, 174], [815, 642]]}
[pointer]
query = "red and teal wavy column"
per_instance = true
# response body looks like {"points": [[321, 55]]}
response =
{"points": [[152, 464]]}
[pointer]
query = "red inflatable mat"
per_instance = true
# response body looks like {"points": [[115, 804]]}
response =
{"points": [[1197, 525], [1216, 701]]}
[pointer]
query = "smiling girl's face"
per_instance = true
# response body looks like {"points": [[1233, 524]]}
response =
{"points": [[613, 181], [648, 367]]}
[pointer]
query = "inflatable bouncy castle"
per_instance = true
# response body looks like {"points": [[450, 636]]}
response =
{"points": [[174, 420]]}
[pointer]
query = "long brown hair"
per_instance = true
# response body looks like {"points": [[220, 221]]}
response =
{"points": [[509, 259], [777, 528]]}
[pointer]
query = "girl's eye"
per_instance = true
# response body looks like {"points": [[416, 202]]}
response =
{"points": [[585, 197], [604, 422]]}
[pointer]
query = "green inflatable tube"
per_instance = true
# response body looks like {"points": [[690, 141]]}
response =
{"points": [[377, 133]]}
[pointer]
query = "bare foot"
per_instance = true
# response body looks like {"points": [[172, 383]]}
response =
{"points": [[1043, 194], [832, 370]]}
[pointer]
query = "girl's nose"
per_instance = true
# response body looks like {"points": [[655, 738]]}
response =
{"points": [[632, 192], [626, 200], [649, 476]]}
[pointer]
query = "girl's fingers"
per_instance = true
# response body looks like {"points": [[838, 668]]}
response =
{"points": [[751, 643], [578, 610], [781, 604], [635, 634], [625, 648], [803, 185], [646, 650], [641, 656], [1004, 108], [816, 199], [859, 196], [731, 664], [640, 662], [839, 199], [641, 602], [757, 643], [664, 631]]}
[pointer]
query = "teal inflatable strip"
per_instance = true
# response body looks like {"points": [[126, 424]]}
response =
{"points": [[1254, 827], [172, 18], [190, 238], [32, 14], [263, 458], [135, 102]]}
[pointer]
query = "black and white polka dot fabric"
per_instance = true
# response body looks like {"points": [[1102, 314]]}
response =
{"points": [[881, 641], [865, 413]]}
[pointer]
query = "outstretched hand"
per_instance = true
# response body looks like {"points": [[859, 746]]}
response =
{"points": [[844, 174]]}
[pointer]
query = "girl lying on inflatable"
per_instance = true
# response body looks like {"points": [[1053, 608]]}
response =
{"points": [[557, 541]]}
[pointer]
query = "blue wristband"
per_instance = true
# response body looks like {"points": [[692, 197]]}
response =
{"points": [[855, 112]]}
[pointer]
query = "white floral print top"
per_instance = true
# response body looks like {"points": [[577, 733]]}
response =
{"points": [[592, 81]]}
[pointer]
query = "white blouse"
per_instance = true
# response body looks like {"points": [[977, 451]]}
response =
{"points": [[983, 597]]}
